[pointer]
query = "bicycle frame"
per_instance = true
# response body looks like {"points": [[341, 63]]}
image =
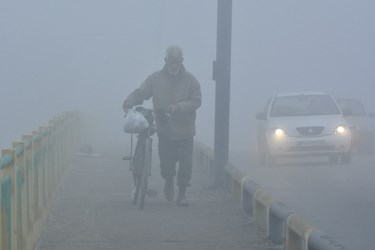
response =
{"points": [[141, 161]]}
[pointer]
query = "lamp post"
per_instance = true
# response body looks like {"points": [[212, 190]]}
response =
{"points": [[221, 74]]}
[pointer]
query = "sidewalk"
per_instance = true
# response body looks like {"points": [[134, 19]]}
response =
{"points": [[93, 211]]}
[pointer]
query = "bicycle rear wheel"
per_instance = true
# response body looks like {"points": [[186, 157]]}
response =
{"points": [[145, 173], [136, 188]]}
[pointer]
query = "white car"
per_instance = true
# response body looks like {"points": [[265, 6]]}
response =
{"points": [[303, 124]]}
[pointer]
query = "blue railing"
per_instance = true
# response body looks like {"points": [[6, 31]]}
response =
{"points": [[30, 173]]}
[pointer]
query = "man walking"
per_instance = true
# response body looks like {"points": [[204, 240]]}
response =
{"points": [[176, 96]]}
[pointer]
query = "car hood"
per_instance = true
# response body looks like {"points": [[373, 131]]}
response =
{"points": [[329, 123]]}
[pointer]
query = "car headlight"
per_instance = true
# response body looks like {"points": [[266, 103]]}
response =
{"points": [[278, 132], [340, 130]]}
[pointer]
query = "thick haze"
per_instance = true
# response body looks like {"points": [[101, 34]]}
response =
{"points": [[87, 55]]}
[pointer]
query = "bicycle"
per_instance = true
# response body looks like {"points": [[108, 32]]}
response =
{"points": [[140, 163]]}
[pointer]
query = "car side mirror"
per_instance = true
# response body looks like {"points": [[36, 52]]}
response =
{"points": [[261, 116], [347, 112]]}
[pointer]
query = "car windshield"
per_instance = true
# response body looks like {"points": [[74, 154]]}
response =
{"points": [[354, 106], [303, 105]]}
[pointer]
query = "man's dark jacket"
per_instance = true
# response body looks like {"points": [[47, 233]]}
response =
{"points": [[182, 90]]}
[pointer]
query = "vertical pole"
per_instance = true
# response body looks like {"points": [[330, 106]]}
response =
{"points": [[221, 74]]}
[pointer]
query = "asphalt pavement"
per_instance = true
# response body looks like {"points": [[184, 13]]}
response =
{"points": [[93, 211]]}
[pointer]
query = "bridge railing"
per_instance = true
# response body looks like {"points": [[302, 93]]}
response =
{"points": [[30, 175], [280, 225]]}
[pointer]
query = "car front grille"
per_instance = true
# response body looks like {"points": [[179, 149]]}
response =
{"points": [[312, 148], [310, 131]]}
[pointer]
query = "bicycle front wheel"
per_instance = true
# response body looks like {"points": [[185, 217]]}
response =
{"points": [[137, 169], [145, 173], [137, 179]]}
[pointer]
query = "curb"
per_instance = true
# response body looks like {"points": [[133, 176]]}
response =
{"points": [[280, 224]]}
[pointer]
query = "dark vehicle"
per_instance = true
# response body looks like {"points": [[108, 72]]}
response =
{"points": [[360, 123]]}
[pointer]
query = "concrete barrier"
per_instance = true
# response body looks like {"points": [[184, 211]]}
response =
{"points": [[320, 241], [278, 216], [249, 187], [262, 203], [297, 233], [282, 226], [235, 181]]}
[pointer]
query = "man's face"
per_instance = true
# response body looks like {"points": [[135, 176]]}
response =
{"points": [[174, 64]]}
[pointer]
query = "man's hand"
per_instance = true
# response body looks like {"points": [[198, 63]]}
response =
{"points": [[126, 106], [172, 109]]}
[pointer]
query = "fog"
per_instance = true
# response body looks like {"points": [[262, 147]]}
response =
{"points": [[88, 55]]}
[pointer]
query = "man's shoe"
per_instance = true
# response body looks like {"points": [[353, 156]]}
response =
{"points": [[182, 202], [168, 190]]}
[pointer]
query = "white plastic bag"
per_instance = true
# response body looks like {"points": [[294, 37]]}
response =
{"points": [[134, 122]]}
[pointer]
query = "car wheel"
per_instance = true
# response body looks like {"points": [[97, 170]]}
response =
{"points": [[346, 158], [262, 156], [333, 159], [370, 150], [265, 156], [261, 150], [268, 158], [271, 160], [370, 144]]}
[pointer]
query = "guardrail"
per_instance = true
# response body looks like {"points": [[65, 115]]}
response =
{"points": [[30, 174], [281, 225]]}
